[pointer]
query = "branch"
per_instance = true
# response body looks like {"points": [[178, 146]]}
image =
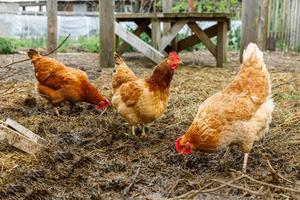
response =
{"points": [[193, 193], [127, 190], [27, 59], [276, 173], [285, 83], [238, 187], [271, 185]]}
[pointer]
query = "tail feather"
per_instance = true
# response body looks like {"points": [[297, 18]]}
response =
{"points": [[119, 61], [253, 52], [32, 52], [122, 73]]}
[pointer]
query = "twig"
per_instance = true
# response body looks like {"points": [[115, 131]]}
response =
{"points": [[276, 173], [193, 193], [271, 185], [127, 189], [284, 83], [238, 187], [47, 54], [221, 186]]}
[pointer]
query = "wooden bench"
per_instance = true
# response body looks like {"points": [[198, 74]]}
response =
{"points": [[163, 43]]}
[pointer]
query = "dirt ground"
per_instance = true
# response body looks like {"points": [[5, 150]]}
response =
{"points": [[93, 156]]}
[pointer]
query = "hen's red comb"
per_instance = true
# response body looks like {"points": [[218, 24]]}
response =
{"points": [[173, 55]]}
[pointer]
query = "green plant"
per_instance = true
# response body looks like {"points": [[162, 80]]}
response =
{"points": [[6, 46], [229, 6], [234, 39]]}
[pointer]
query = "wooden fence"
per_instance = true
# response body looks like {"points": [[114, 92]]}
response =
{"points": [[284, 25]]}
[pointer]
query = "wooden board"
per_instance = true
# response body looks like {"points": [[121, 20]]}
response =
{"points": [[169, 36], [193, 39], [173, 16], [203, 38], [19, 141], [140, 29], [137, 43], [29, 134]]}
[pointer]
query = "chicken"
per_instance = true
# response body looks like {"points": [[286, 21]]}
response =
{"points": [[58, 83], [238, 115], [141, 101]]}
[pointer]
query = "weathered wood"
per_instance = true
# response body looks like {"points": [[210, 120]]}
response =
{"points": [[52, 25], [117, 41], [142, 27], [29, 134], [203, 38], [173, 16], [137, 43], [222, 43], [167, 8], [19, 141], [193, 39], [107, 41], [253, 23], [263, 24], [168, 37], [155, 32]]}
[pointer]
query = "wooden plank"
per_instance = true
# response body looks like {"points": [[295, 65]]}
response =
{"points": [[19, 141], [222, 43], [133, 16], [167, 38], [137, 43], [203, 37], [168, 16], [155, 32], [193, 39], [167, 8], [106, 36], [30, 135], [140, 29], [52, 24]]}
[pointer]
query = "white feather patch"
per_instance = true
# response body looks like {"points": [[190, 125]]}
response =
{"points": [[253, 52]]}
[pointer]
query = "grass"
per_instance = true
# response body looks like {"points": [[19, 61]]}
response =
{"points": [[10, 45], [83, 44]]}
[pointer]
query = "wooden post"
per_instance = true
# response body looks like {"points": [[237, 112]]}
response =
{"points": [[254, 23], [222, 43], [52, 24], [167, 8], [107, 33], [155, 32]]}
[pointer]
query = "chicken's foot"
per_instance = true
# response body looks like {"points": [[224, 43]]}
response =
{"points": [[133, 130], [56, 111], [143, 131], [246, 155]]}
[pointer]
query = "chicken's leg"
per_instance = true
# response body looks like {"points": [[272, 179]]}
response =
{"points": [[246, 155], [133, 130], [143, 131], [56, 111]]}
